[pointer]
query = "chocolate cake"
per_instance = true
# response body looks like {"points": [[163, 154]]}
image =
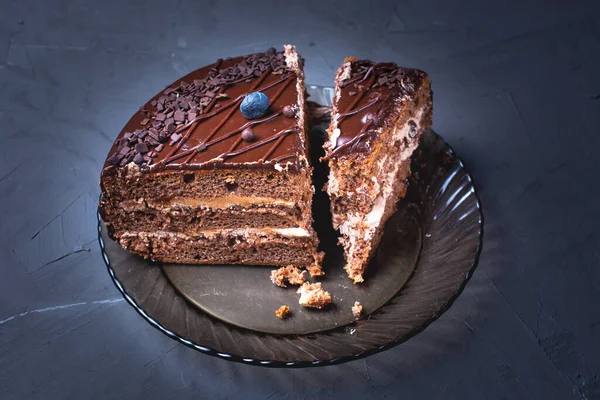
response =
{"points": [[214, 169], [378, 114]]}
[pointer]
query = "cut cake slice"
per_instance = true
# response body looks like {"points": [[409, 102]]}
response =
{"points": [[190, 179], [378, 114]]}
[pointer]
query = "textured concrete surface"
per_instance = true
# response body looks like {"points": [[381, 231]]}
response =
{"points": [[517, 94]]}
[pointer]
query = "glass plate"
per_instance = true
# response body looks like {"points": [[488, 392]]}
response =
{"points": [[430, 249]]}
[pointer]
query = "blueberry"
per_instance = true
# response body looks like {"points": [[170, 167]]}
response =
{"points": [[254, 105]]}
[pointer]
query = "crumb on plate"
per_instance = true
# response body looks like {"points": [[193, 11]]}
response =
{"points": [[290, 273], [357, 309], [283, 312], [312, 295]]}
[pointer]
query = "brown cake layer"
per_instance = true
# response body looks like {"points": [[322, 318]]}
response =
{"points": [[182, 217], [182, 166], [251, 246], [132, 183], [379, 113]]}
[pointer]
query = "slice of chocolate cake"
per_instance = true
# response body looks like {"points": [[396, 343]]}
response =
{"points": [[379, 112], [215, 170]]}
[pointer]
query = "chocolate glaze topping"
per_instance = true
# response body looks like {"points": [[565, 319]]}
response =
{"points": [[368, 96], [195, 123]]}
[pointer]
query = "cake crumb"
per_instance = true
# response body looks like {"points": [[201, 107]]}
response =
{"points": [[283, 312], [311, 295], [315, 269], [357, 309], [290, 273]]}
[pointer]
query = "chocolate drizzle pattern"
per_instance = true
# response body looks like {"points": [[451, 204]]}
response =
{"points": [[198, 124], [364, 102]]}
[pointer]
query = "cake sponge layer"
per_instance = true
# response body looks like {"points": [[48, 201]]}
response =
{"points": [[251, 246], [120, 185]]}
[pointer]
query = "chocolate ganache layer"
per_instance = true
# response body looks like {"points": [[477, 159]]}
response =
{"points": [[368, 94], [196, 122]]}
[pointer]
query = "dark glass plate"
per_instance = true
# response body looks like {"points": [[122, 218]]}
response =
{"points": [[430, 248]]}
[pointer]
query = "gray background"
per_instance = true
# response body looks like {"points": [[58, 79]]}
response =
{"points": [[517, 94]]}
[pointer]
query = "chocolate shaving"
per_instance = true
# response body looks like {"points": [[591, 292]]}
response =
{"points": [[138, 159], [179, 116], [175, 138], [115, 159], [141, 148]]}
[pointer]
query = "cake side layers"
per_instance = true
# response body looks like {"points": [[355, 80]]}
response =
{"points": [[192, 201], [182, 217]]}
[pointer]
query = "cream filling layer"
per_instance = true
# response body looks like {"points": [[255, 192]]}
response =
{"points": [[246, 232], [222, 202]]}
